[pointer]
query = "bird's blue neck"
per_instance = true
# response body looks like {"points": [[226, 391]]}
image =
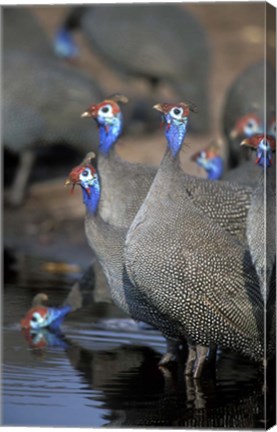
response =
{"points": [[264, 156], [64, 44], [109, 133], [175, 133], [91, 198], [215, 168]]}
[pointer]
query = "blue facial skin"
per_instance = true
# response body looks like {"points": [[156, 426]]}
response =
{"points": [[214, 166], [110, 128], [264, 154], [91, 198], [53, 318], [175, 132], [64, 45]]}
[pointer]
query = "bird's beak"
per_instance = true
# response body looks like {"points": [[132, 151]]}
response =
{"points": [[245, 142], [67, 182], [158, 107], [86, 114]]}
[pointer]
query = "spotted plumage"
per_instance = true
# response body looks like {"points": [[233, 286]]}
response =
{"points": [[187, 260], [261, 220], [107, 242]]}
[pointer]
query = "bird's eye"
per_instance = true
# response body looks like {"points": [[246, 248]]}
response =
{"points": [[86, 176], [34, 318], [250, 124], [106, 109], [177, 112]]}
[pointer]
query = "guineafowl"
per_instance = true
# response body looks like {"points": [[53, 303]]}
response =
{"points": [[212, 162], [107, 242], [261, 220], [41, 101], [244, 109], [41, 316], [161, 43], [121, 198], [261, 229], [124, 185], [188, 266]]}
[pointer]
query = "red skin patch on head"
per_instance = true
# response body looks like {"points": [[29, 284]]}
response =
{"points": [[242, 122], [94, 108], [210, 153], [167, 107], [75, 173], [25, 322], [255, 140]]}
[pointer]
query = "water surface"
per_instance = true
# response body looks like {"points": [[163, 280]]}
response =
{"points": [[102, 370]]}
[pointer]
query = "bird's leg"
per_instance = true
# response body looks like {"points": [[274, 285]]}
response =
{"points": [[18, 188], [212, 354], [190, 360], [199, 401], [201, 352], [172, 347]]}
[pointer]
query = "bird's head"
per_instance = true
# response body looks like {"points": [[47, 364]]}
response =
{"points": [[210, 159], [108, 117], [86, 176], [36, 318], [107, 111], [175, 113], [264, 145], [246, 126], [175, 117]]}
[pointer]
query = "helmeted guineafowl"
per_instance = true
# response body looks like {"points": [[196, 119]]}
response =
{"points": [[261, 219], [41, 101], [44, 86], [246, 173], [124, 185], [188, 266], [107, 243], [41, 315], [261, 229], [161, 43], [245, 106], [211, 160]]}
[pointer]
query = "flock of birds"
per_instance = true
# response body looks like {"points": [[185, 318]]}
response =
{"points": [[194, 258]]}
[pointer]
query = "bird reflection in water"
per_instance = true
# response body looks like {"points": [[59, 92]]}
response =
{"points": [[139, 393]]}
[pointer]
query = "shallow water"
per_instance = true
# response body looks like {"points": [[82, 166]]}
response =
{"points": [[103, 370]]}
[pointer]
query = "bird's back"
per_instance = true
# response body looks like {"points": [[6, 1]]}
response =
{"points": [[55, 92]]}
